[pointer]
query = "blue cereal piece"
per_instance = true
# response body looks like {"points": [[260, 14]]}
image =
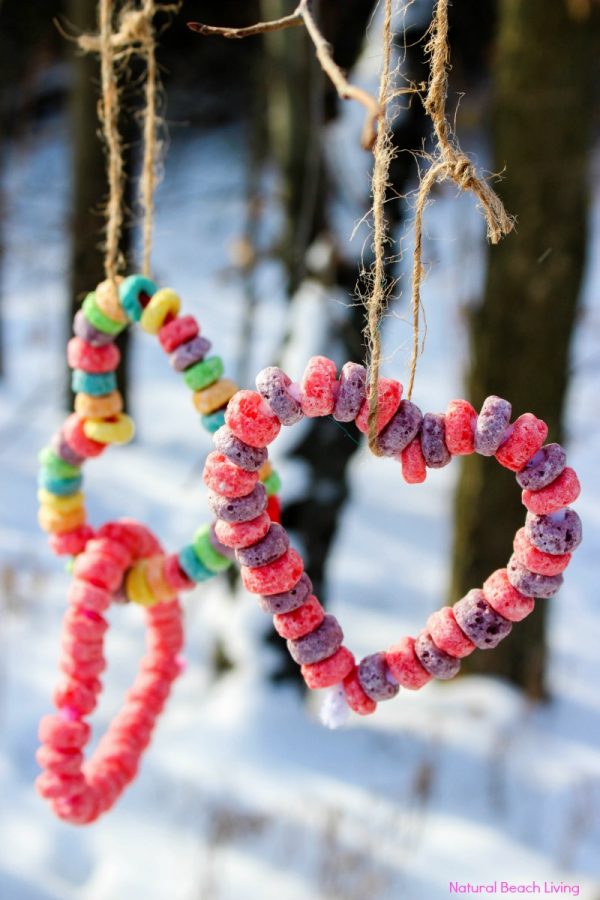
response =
{"points": [[129, 295], [192, 566], [62, 487], [96, 384], [213, 421]]}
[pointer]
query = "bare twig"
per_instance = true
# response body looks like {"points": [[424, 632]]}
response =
{"points": [[302, 15]]}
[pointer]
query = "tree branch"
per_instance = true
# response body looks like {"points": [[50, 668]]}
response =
{"points": [[303, 16]]}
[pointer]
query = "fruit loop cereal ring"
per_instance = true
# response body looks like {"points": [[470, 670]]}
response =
{"points": [[122, 560], [271, 568]]}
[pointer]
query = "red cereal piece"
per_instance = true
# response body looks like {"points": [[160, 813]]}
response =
{"points": [[225, 478], [61, 733], [96, 360], [536, 560], [71, 543], [318, 387], [329, 671], [389, 394], [275, 577], [447, 635], [404, 666], [301, 621], [175, 576], [77, 695], [563, 491], [115, 549], [523, 440], [239, 535], [73, 434], [414, 469], [178, 331], [461, 417], [357, 700], [274, 508], [99, 570], [61, 762], [251, 420], [88, 596], [139, 541], [505, 599], [51, 784]]}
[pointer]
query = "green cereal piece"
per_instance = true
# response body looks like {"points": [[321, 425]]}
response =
{"points": [[206, 553], [272, 483], [96, 317], [56, 466], [203, 374]]}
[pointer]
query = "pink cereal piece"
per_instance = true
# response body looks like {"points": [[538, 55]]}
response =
{"points": [[61, 762], [79, 651], [275, 577], [523, 440], [63, 734], [114, 549], [414, 469], [88, 596], [137, 539], [177, 331], [239, 535], [83, 625], [461, 417], [389, 394], [301, 621], [98, 569], [77, 695], [73, 433], [446, 633], [96, 360], [505, 599], [50, 785], [536, 560], [249, 418], [563, 491], [329, 671], [175, 576], [225, 478], [318, 387], [71, 543], [404, 666], [357, 700], [81, 670]]}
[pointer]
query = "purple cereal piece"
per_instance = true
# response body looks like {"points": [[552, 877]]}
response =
{"points": [[433, 445], [401, 429], [351, 392], [373, 675], [531, 584], [267, 550], [272, 384], [290, 600], [492, 422], [543, 468], [239, 509], [227, 552], [318, 644], [481, 624], [439, 664], [86, 331], [190, 352], [240, 453], [557, 532], [66, 453]]}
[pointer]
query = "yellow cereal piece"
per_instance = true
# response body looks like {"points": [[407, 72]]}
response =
{"points": [[161, 304], [136, 586], [54, 521], [88, 407], [60, 504], [265, 470], [214, 396], [107, 301], [159, 587], [118, 430]]}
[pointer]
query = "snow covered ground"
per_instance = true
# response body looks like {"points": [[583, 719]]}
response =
{"points": [[242, 793]]}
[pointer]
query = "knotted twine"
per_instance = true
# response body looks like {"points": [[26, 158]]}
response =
{"points": [[448, 163]]}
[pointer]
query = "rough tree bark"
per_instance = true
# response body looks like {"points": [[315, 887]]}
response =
{"points": [[542, 117]]}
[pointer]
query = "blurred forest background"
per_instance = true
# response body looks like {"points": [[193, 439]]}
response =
{"points": [[523, 94]]}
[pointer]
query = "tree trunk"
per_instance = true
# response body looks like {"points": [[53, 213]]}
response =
{"points": [[542, 117], [89, 180]]}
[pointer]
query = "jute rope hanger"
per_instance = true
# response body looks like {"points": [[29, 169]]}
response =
{"points": [[448, 163]]}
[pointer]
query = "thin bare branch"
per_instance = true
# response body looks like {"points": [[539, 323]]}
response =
{"points": [[303, 16]]}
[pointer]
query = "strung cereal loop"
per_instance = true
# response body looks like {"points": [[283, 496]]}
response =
{"points": [[122, 561], [271, 568]]}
